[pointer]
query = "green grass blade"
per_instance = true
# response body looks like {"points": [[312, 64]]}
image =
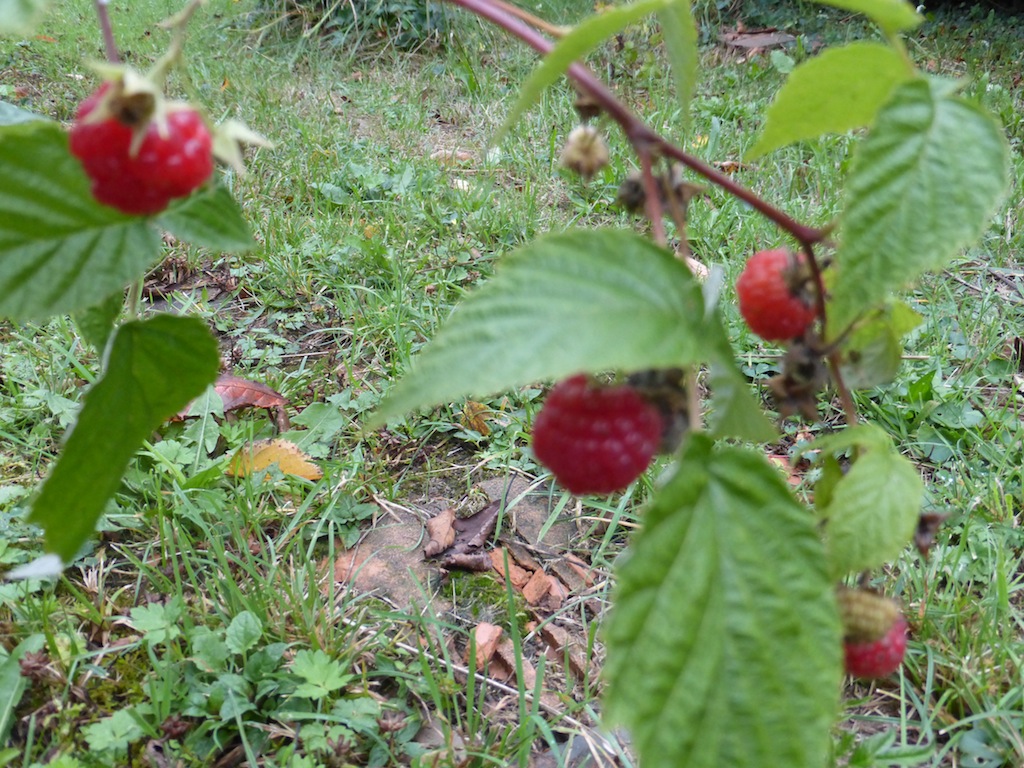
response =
{"points": [[680, 34]]}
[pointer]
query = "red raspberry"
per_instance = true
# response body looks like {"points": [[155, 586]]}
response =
{"points": [[593, 438], [875, 630], [173, 159], [771, 297], [878, 658]]}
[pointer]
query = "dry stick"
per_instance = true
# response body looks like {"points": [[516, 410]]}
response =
{"points": [[108, 32], [639, 134]]}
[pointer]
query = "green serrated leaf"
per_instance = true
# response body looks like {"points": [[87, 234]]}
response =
{"points": [[680, 33], [585, 300], [831, 474], [864, 436], [923, 185], [873, 352], [891, 15], [21, 17], [211, 218], [97, 322], [59, 248], [583, 38], [836, 91], [153, 368], [873, 512], [735, 411], [321, 674], [724, 643], [11, 114]]}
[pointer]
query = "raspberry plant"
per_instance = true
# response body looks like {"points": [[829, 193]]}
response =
{"points": [[725, 644]]}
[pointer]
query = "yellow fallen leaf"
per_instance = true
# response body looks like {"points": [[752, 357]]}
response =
{"points": [[289, 458]]}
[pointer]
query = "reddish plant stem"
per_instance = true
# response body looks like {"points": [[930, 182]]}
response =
{"points": [[640, 135], [109, 43]]}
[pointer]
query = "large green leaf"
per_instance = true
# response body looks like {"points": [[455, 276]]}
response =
{"points": [[724, 641], [873, 512], [680, 33], [210, 218], [20, 17], [841, 89], [10, 114], [586, 300], [583, 38], [872, 354], [923, 185], [891, 15], [153, 369], [60, 250]]}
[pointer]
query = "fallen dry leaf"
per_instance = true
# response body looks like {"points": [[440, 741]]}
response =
{"points": [[238, 393], [474, 417], [250, 459], [473, 532], [441, 530], [478, 562], [452, 156]]}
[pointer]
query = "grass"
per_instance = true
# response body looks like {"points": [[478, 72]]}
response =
{"points": [[204, 624]]}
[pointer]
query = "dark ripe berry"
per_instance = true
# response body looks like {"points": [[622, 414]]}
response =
{"points": [[880, 657], [772, 297], [595, 439], [173, 158]]}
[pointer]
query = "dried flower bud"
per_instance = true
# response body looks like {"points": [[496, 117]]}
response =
{"points": [[585, 151]]}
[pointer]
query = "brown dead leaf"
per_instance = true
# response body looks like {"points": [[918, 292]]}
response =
{"points": [[478, 562], [756, 38], [486, 636], [251, 459], [537, 588], [730, 166], [516, 575], [473, 532], [238, 393], [452, 157], [474, 417], [441, 530]]}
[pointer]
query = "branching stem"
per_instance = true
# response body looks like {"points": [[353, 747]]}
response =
{"points": [[642, 137]]}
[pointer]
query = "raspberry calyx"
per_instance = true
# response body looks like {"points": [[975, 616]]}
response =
{"points": [[596, 439], [774, 297]]}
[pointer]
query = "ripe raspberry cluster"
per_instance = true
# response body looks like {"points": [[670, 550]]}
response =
{"points": [[594, 438], [771, 295], [139, 167], [875, 633]]}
